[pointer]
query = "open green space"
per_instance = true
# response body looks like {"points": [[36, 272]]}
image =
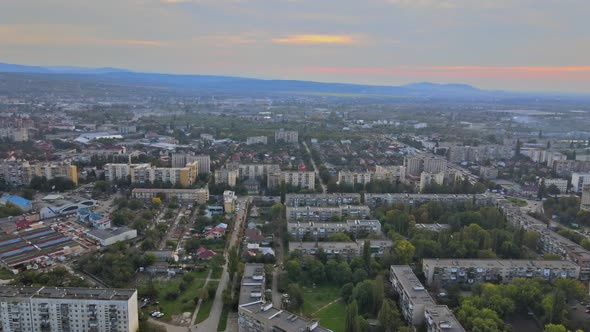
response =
{"points": [[516, 201], [6, 274], [223, 319], [183, 301], [332, 316], [205, 309], [315, 298]]}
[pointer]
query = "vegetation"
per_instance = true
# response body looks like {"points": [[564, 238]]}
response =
{"points": [[9, 209]]}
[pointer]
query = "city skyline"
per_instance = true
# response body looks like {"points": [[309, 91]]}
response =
{"points": [[513, 45]]}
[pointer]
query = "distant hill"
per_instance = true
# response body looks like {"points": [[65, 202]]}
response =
{"points": [[14, 68]]}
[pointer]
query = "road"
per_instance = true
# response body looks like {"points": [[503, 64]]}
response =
{"points": [[211, 323], [316, 170]]}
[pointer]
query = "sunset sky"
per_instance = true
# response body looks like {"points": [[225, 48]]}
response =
{"points": [[541, 45]]}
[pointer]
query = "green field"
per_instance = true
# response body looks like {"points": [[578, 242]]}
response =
{"points": [[517, 201], [332, 317], [184, 302], [223, 319]]}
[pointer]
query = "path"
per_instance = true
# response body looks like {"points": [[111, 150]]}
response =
{"points": [[315, 169], [194, 317], [210, 324], [324, 307]]}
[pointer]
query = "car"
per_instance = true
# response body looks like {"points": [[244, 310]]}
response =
{"points": [[160, 315], [588, 311]]}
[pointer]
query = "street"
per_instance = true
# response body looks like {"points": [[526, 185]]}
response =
{"points": [[316, 170]]}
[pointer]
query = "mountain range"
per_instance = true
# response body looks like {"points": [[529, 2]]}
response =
{"points": [[228, 84]]}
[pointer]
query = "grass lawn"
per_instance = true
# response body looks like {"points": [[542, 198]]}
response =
{"points": [[5, 274], [206, 306], [332, 317], [516, 201], [315, 298], [184, 302], [223, 319]]}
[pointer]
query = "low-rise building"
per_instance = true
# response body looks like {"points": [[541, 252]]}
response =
{"points": [[561, 184], [469, 271], [256, 140], [107, 237], [200, 196], [68, 309]]}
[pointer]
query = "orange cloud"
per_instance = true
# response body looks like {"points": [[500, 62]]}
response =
{"points": [[313, 39]]}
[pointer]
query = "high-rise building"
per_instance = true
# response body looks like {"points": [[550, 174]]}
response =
{"points": [[24, 309], [227, 176], [180, 159], [585, 205], [142, 173], [579, 180]]}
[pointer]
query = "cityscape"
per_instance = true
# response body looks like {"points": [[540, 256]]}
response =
{"points": [[152, 199]]}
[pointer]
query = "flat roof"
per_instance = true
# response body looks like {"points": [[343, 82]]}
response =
{"points": [[411, 285], [67, 293], [105, 234], [499, 263], [443, 318]]}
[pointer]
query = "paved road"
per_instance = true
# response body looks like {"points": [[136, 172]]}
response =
{"points": [[211, 323], [316, 170]]}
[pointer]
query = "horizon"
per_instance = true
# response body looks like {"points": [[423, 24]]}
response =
{"points": [[499, 45]]}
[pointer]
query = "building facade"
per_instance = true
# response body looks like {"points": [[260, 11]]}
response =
{"points": [[36, 309], [226, 176], [305, 180], [585, 204], [579, 180], [322, 230], [256, 140], [287, 136], [468, 271], [50, 171], [352, 178], [199, 196]]}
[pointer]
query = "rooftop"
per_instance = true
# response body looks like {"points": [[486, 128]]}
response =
{"points": [[67, 293], [443, 318], [499, 263], [411, 285]]}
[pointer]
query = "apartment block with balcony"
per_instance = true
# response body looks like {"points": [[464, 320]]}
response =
{"points": [[226, 176], [352, 178], [68, 309], [200, 196], [376, 200], [469, 271], [321, 230], [287, 136], [326, 213], [50, 171], [585, 203], [347, 250], [439, 318], [325, 200], [256, 171]]}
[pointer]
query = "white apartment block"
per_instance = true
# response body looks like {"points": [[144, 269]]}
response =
{"points": [[417, 306], [321, 230], [256, 140], [227, 176], [200, 196], [37, 309], [348, 177], [347, 250], [561, 184], [305, 180], [288, 136], [376, 200], [12, 172], [326, 213], [427, 179], [336, 199], [469, 271], [579, 180], [256, 171]]}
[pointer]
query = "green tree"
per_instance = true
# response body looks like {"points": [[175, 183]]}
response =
{"points": [[403, 252], [388, 316], [351, 320], [296, 296], [542, 190]]}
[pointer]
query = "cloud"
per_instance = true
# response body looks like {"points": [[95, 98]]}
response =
{"points": [[312, 39]]}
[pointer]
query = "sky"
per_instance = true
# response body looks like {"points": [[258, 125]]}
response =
{"points": [[526, 45]]}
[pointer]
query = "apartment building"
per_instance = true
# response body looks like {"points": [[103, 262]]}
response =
{"points": [[256, 171], [287, 136], [229, 201], [458, 153], [549, 241], [321, 230], [142, 173], [565, 168], [561, 184], [256, 140], [256, 315], [352, 178], [33, 309], [578, 181], [326, 213], [226, 176], [468, 271], [180, 159], [389, 173], [439, 318], [585, 204], [15, 134], [198, 196], [305, 179], [12, 172], [428, 179], [417, 306], [413, 297], [50, 171], [336, 199], [376, 200], [347, 250]]}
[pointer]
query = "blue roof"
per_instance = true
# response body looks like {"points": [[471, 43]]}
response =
{"points": [[16, 200]]}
